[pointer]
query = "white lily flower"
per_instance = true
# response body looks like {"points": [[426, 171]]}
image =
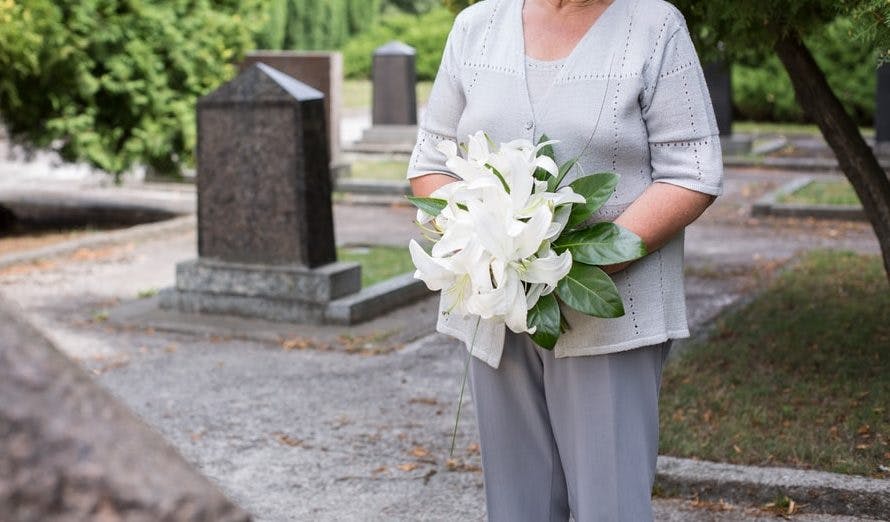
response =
{"points": [[436, 273], [546, 270]]}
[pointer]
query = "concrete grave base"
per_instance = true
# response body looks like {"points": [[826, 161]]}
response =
{"points": [[736, 144], [387, 139], [329, 294]]}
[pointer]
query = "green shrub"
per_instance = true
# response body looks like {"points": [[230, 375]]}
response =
{"points": [[762, 90], [313, 25], [114, 82], [426, 33]]}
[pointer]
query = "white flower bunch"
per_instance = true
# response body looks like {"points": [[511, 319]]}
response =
{"points": [[506, 238], [492, 255]]}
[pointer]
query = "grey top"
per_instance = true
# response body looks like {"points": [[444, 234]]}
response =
{"points": [[631, 98]]}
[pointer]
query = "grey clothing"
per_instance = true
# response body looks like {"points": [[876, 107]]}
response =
{"points": [[561, 435], [631, 98]]}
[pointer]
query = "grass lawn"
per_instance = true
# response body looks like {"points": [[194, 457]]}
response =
{"points": [[378, 262], [385, 170], [767, 127], [823, 193], [358, 93], [798, 377]]}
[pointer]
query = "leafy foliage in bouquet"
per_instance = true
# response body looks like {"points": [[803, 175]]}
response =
{"points": [[511, 243]]}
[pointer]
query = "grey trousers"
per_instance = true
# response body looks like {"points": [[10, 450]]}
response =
{"points": [[572, 435]]}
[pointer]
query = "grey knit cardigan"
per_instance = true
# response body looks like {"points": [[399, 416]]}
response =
{"points": [[631, 99]]}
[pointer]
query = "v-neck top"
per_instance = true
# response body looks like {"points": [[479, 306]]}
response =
{"points": [[630, 98], [540, 75]]}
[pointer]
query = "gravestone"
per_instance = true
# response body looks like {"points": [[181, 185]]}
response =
{"points": [[322, 70], [266, 244], [394, 111], [882, 111], [718, 76], [70, 452]]}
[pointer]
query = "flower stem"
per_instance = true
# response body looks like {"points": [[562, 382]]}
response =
{"points": [[463, 385]]}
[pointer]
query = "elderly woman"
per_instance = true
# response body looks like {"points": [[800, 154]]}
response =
{"points": [[619, 83]]}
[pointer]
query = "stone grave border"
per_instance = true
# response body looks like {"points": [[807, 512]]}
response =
{"points": [[768, 205]]}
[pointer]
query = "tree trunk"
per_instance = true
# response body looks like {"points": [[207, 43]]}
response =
{"points": [[856, 158]]}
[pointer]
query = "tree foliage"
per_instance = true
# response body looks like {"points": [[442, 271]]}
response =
{"points": [[750, 29], [114, 82], [457, 5], [313, 25]]}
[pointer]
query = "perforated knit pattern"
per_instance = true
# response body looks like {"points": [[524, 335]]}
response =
{"points": [[637, 74]]}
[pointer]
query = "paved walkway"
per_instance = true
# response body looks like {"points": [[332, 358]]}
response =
{"points": [[318, 434]]}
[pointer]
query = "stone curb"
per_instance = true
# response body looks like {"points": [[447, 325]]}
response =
{"points": [[820, 491], [767, 205], [821, 165], [98, 239], [376, 300]]}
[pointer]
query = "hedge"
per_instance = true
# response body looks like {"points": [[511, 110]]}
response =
{"points": [[114, 82]]}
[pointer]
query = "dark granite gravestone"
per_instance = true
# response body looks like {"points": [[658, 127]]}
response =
{"points": [[322, 70], [395, 80], [70, 452], [882, 111], [718, 75], [264, 193], [265, 225], [394, 113]]}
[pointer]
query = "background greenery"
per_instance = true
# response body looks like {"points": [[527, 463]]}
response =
{"points": [[114, 82]]}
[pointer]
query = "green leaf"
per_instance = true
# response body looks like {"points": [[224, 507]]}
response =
{"points": [[431, 206], [564, 169], [601, 244], [590, 291], [597, 189], [547, 150], [500, 176], [546, 317]]}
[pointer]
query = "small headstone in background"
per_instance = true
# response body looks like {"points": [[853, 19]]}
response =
{"points": [[321, 70], [395, 80], [718, 76], [394, 112]]}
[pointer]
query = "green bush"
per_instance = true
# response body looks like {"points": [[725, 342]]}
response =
{"points": [[313, 25], [762, 90], [426, 33], [114, 82]]}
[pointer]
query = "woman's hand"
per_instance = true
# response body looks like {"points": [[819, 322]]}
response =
{"points": [[660, 213]]}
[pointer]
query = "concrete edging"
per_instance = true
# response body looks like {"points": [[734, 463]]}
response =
{"points": [[98, 239], [820, 491], [768, 205]]}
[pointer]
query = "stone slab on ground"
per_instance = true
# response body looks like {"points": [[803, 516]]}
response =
{"points": [[769, 205], [819, 491], [72, 452]]}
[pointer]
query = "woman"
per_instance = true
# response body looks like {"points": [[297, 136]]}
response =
{"points": [[619, 83]]}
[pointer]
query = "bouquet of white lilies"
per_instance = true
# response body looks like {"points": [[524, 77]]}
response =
{"points": [[510, 243]]}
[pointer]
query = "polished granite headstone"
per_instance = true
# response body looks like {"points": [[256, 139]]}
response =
{"points": [[394, 112], [322, 70], [265, 221]]}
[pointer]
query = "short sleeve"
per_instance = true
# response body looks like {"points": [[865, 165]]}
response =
{"points": [[684, 141], [443, 110]]}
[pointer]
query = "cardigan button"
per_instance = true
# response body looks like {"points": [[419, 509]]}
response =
{"points": [[529, 125]]}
